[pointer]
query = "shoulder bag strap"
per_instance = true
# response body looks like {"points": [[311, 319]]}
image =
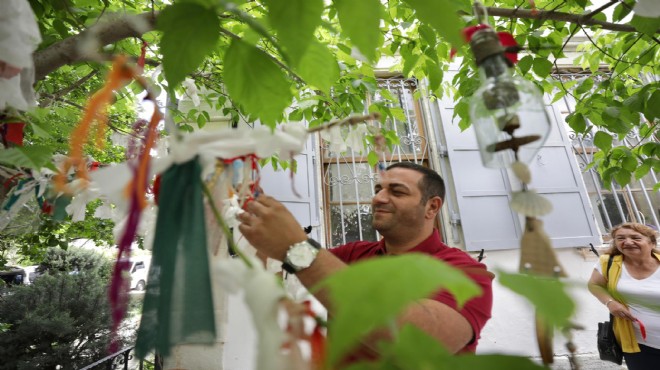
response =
{"points": [[609, 264]]}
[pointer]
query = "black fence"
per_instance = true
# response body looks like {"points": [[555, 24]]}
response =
{"points": [[125, 360]]}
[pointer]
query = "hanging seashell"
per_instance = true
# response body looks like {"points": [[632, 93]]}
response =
{"points": [[522, 172], [530, 204]]}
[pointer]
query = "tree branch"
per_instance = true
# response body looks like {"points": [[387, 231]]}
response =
{"points": [[596, 11], [58, 94], [582, 19], [67, 51]]}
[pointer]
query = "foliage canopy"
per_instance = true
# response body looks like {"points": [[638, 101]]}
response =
{"points": [[282, 61]]}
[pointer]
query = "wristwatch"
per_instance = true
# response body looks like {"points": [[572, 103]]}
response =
{"points": [[300, 256]]}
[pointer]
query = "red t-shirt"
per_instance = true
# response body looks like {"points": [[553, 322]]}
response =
{"points": [[476, 311]]}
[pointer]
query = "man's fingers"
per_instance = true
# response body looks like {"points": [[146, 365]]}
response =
{"points": [[243, 217], [256, 207], [266, 200]]}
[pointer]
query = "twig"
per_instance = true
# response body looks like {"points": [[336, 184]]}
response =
{"points": [[558, 6], [561, 82], [69, 88], [624, 53], [603, 51], [558, 16], [350, 121], [600, 9], [224, 227]]}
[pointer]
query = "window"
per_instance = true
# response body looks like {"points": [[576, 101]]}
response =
{"points": [[348, 180]]}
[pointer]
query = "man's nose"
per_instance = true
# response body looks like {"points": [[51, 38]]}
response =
{"points": [[380, 197]]}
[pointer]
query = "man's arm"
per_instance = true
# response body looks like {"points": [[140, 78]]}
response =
{"points": [[271, 229]]}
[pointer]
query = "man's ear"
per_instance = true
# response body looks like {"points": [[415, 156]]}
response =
{"points": [[433, 206]]}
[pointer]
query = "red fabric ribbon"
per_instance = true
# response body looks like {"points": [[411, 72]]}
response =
{"points": [[642, 329], [141, 59], [254, 185], [506, 39], [12, 132]]}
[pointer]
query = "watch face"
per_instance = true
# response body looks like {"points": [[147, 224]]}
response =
{"points": [[301, 255]]}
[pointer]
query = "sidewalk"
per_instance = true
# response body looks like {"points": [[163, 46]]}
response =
{"points": [[586, 362]]}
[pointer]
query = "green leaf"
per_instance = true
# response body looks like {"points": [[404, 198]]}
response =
{"points": [[471, 361], [59, 26], [415, 349], [577, 122], [190, 33], [650, 148], [319, 67], [398, 113], [620, 12], [643, 169], [622, 177], [613, 112], [629, 163], [409, 63], [542, 67], [441, 15], [427, 34], [548, 295], [648, 26], [603, 141], [525, 63], [254, 81], [201, 121], [35, 156], [434, 73], [295, 22], [360, 20], [372, 158], [422, 276], [586, 85], [652, 110]]}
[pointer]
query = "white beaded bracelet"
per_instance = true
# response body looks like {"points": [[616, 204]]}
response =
{"points": [[607, 304]]}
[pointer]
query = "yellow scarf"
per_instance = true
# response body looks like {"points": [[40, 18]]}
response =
{"points": [[623, 328]]}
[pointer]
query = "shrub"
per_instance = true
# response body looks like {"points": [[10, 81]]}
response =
{"points": [[63, 318]]}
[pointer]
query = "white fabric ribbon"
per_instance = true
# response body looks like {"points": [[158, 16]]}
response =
{"points": [[209, 145], [647, 8], [356, 137], [263, 293], [19, 38]]}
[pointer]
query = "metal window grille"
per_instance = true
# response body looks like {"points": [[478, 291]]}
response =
{"points": [[348, 180], [635, 202]]}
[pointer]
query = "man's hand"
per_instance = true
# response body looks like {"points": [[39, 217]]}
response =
{"points": [[270, 227]]}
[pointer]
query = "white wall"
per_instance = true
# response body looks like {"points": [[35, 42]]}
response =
{"points": [[511, 330]]}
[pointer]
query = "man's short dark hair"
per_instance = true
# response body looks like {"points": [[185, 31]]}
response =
{"points": [[431, 185]]}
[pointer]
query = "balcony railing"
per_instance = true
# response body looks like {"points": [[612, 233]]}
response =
{"points": [[124, 359]]}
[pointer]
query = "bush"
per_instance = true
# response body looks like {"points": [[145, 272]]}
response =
{"points": [[63, 318]]}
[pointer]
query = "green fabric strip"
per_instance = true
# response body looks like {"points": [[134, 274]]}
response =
{"points": [[178, 304]]}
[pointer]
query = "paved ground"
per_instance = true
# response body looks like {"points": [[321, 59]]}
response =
{"points": [[586, 362]]}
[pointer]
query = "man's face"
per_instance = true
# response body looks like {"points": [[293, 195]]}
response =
{"points": [[397, 202]]}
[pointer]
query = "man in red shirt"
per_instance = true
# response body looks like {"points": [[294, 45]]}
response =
{"points": [[407, 200]]}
